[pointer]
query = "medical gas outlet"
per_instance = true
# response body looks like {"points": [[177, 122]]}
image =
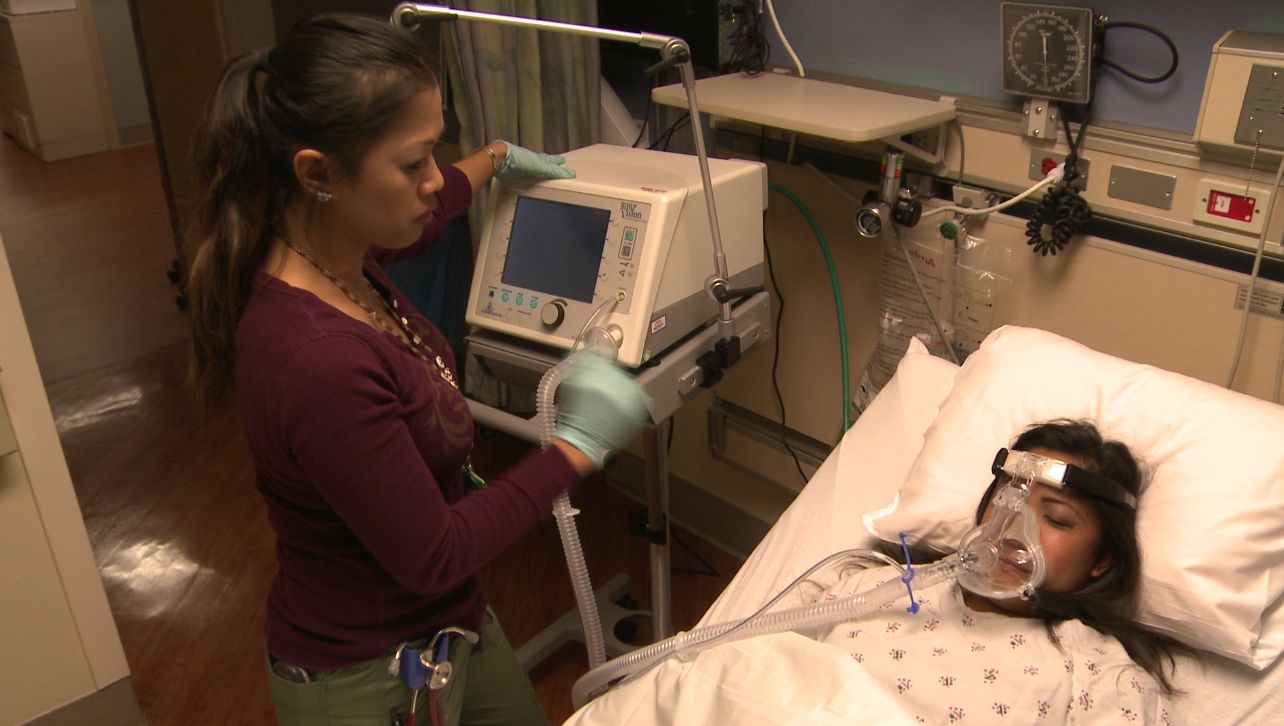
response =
{"points": [[889, 204], [1231, 206]]}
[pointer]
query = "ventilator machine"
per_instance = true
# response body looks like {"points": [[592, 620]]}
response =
{"points": [[623, 247]]}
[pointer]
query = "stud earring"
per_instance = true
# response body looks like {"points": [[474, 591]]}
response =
{"points": [[322, 195]]}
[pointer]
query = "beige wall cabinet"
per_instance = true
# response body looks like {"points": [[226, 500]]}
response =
{"points": [[49, 100], [40, 629], [61, 659]]}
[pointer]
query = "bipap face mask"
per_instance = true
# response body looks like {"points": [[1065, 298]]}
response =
{"points": [[1002, 557]]}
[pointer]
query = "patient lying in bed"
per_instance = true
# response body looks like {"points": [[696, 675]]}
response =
{"points": [[950, 663], [1070, 654]]}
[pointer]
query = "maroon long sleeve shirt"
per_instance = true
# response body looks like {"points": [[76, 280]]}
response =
{"points": [[358, 448]]}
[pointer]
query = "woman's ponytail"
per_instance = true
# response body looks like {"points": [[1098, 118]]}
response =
{"points": [[240, 199]]}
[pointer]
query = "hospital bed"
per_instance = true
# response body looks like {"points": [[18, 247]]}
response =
{"points": [[1211, 521]]}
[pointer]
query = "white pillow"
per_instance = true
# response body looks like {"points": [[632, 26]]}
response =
{"points": [[1210, 519], [883, 443], [866, 469]]}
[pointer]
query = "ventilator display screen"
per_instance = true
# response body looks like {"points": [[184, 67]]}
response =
{"points": [[556, 248]]}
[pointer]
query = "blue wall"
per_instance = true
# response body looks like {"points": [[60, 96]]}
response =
{"points": [[954, 46]]}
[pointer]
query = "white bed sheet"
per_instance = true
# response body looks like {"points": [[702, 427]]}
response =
{"points": [[863, 474]]}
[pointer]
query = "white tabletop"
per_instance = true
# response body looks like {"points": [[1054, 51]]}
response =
{"points": [[809, 106]]}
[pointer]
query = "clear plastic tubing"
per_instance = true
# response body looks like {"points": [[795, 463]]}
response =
{"points": [[598, 340], [687, 644], [564, 515]]}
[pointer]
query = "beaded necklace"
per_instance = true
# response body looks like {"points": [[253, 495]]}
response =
{"points": [[413, 341]]}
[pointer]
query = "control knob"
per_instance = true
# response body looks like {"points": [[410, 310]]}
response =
{"points": [[552, 314]]}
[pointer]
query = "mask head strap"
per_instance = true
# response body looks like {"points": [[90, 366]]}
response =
{"points": [[1057, 605], [1060, 475]]}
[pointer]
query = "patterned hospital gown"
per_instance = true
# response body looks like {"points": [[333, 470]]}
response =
{"points": [[951, 664]]}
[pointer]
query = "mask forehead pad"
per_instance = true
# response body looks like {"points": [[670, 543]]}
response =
{"points": [[1060, 475]]}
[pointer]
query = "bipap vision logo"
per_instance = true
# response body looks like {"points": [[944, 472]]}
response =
{"points": [[629, 210]]}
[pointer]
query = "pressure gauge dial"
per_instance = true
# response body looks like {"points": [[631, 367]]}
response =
{"points": [[1047, 51]]}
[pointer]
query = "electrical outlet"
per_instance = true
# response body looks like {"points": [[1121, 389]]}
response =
{"points": [[928, 140]]}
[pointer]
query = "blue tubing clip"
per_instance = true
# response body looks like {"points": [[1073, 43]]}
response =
{"points": [[908, 576]]}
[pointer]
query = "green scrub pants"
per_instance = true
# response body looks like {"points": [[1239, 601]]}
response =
{"points": [[487, 688]]}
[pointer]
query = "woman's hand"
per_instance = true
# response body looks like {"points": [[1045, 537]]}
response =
{"points": [[520, 161], [599, 407]]}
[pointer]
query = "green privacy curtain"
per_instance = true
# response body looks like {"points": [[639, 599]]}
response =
{"points": [[535, 88]]}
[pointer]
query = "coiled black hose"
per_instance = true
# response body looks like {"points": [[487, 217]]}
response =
{"points": [[1061, 214]]}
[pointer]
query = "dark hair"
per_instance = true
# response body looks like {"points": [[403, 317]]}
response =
{"points": [[1109, 603], [334, 84]]}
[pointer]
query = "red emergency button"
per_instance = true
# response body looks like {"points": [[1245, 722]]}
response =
{"points": [[1231, 206]]}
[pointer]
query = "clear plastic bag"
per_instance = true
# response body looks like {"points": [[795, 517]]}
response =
{"points": [[961, 284]]}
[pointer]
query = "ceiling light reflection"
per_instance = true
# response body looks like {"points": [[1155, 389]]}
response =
{"points": [[99, 408], [155, 571]]}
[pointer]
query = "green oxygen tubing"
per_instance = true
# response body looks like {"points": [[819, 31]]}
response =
{"points": [[838, 296]]}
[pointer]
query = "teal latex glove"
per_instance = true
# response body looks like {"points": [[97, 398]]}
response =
{"points": [[521, 161], [599, 407]]}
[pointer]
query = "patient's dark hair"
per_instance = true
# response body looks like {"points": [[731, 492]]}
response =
{"points": [[1109, 603]]}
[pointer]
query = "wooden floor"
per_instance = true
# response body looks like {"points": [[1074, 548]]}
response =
{"points": [[180, 534], [89, 242]]}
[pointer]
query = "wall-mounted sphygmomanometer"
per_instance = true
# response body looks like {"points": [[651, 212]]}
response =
{"points": [[1047, 51], [1050, 54], [623, 247]]}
